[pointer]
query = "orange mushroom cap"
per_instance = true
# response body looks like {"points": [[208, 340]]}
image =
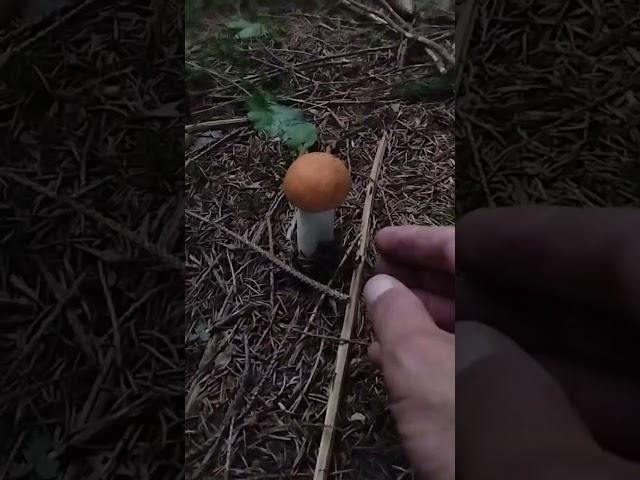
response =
{"points": [[316, 182]]}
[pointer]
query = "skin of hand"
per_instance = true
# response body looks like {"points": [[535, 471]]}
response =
{"points": [[410, 303], [556, 397], [547, 356]]}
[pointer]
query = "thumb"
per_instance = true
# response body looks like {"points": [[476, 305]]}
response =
{"points": [[514, 420], [396, 312], [417, 360]]}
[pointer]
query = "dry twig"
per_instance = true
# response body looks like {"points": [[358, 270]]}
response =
{"points": [[216, 125], [432, 46], [276, 261], [326, 443]]}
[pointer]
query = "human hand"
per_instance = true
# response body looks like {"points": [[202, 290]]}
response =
{"points": [[410, 302], [557, 395]]}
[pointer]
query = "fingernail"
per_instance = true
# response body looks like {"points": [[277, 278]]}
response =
{"points": [[376, 286]]}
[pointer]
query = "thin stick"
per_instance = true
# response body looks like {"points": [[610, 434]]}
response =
{"points": [[326, 442], [395, 14], [227, 466], [275, 260], [213, 124], [213, 73], [207, 148]]}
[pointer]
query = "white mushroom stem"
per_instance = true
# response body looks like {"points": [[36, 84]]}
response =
{"points": [[313, 228]]}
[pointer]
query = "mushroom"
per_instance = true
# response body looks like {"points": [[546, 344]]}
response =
{"points": [[316, 183]]}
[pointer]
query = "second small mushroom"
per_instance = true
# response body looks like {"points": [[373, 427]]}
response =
{"points": [[316, 183]]}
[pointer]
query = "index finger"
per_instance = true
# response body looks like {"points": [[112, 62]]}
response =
{"points": [[587, 257], [419, 246]]}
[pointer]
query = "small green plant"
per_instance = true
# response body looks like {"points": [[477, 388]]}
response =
{"points": [[277, 121], [200, 333], [434, 89], [245, 29]]}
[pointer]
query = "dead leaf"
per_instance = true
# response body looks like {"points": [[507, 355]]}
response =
{"points": [[357, 417], [224, 357]]}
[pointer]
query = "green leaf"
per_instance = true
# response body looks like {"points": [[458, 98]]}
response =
{"points": [[246, 29], [285, 114], [300, 136], [278, 121], [201, 332]]}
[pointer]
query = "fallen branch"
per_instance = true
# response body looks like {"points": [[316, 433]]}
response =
{"points": [[326, 442], [432, 47]]}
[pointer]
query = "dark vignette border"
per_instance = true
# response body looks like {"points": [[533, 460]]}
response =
{"points": [[547, 127], [91, 243], [547, 107]]}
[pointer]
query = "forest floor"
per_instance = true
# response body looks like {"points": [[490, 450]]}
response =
{"points": [[261, 345]]}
